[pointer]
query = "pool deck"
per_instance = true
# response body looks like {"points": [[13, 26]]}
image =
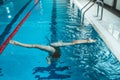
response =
{"points": [[108, 28]]}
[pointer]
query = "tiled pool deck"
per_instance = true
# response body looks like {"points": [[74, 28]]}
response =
{"points": [[108, 27]]}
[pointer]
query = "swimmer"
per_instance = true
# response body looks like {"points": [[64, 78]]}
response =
{"points": [[53, 48]]}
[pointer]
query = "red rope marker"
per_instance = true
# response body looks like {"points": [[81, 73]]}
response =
{"points": [[15, 30], [13, 33]]}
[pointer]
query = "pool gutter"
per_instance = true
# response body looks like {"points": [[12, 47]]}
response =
{"points": [[102, 26]]}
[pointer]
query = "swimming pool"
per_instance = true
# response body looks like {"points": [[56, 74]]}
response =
{"points": [[51, 21]]}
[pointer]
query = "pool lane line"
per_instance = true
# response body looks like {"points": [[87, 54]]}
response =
{"points": [[9, 25], [16, 29]]}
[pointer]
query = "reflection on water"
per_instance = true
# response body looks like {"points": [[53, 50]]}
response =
{"points": [[93, 61]]}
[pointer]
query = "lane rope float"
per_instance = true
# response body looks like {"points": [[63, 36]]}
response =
{"points": [[16, 29]]}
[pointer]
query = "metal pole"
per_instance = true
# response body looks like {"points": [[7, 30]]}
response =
{"points": [[102, 11], [100, 2], [97, 9], [85, 12], [83, 8]]}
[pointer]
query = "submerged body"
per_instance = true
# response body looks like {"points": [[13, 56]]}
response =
{"points": [[55, 56]]}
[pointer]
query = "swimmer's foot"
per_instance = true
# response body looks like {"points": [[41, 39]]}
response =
{"points": [[48, 60], [90, 40]]}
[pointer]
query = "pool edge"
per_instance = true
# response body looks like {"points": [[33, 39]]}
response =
{"points": [[105, 35]]}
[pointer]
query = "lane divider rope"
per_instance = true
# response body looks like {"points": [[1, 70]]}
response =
{"points": [[2, 47]]}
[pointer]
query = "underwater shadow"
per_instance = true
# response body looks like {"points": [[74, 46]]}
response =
{"points": [[52, 71], [1, 72]]}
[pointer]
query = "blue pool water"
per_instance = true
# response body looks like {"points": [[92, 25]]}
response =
{"points": [[51, 21]]}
